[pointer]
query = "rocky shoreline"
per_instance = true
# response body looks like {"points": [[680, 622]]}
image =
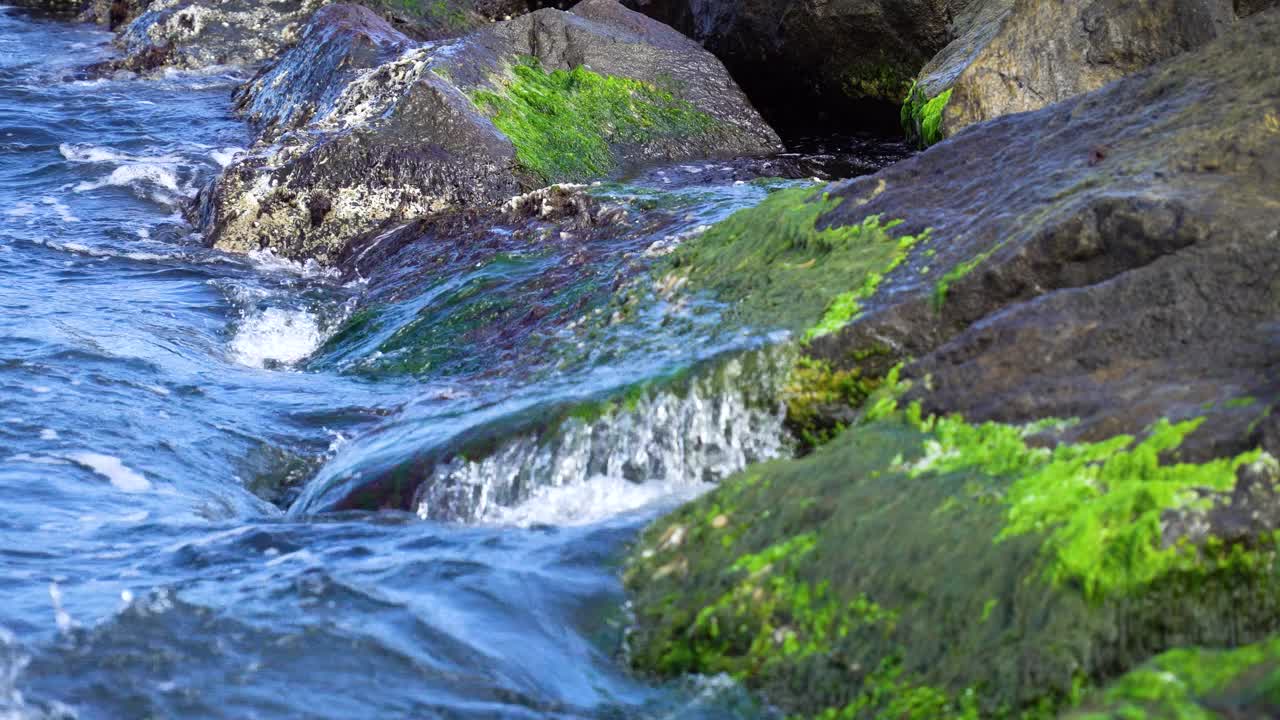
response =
{"points": [[1031, 371]]}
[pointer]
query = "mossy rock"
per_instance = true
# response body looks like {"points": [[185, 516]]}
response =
{"points": [[922, 115], [922, 568], [1195, 684], [778, 267]]}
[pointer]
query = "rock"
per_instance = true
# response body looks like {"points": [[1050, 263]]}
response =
{"points": [[845, 63], [1019, 55], [201, 33], [1194, 682], [340, 44], [112, 13], [1244, 8], [57, 8], [1105, 283], [362, 126], [1081, 474]]}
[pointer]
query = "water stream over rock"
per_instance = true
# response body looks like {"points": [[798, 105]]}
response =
{"points": [[175, 421]]}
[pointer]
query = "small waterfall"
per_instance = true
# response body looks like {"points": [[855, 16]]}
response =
{"points": [[671, 439]]}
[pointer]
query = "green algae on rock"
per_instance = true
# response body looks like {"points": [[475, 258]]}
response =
{"points": [[564, 123], [1195, 684], [921, 567], [384, 129], [922, 115], [776, 267]]}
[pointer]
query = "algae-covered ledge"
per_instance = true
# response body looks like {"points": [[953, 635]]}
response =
{"points": [[924, 567]]}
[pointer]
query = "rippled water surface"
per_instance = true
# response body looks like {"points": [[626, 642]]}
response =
{"points": [[162, 405]]}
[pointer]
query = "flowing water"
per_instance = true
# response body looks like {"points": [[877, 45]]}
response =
{"points": [[171, 418]]}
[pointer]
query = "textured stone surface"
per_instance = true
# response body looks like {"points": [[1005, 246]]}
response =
{"points": [[1116, 247], [1110, 261], [363, 126], [1019, 55]]}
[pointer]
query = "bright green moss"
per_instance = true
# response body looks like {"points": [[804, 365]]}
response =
{"points": [[565, 124], [927, 567], [776, 267], [922, 116], [848, 305], [1103, 506], [812, 388], [1195, 684]]}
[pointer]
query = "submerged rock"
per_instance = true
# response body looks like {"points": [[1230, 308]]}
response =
{"points": [[698, 426], [850, 59], [1018, 55], [383, 129], [957, 552]]}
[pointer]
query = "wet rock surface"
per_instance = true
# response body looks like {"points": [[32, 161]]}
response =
{"points": [[1101, 259], [1106, 261], [383, 129], [201, 33], [1018, 55]]}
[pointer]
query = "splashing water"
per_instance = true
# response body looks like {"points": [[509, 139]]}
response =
{"points": [[176, 422], [276, 336]]}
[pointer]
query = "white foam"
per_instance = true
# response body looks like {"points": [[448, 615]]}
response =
{"points": [[597, 499], [64, 212], [665, 444], [35, 459], [121, 476], [94, 154], [266, 259], [48, 434], [276, 335], [22, 209], [126, 175], [226, 155], [132, 170]]}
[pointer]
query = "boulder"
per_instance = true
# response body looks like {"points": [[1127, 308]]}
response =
{"points": [[1019, 55], [845, 62], [362, 126], [1244, 8], [202, 33], [1074, 469], [112, 13]]}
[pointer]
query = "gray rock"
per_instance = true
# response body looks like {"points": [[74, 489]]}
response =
{"points": [[200, 33], [1019, 55], [362, 126], [1108, 258], [112, 13]]}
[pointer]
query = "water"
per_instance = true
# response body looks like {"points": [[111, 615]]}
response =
{"points": [[183, 433]]}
